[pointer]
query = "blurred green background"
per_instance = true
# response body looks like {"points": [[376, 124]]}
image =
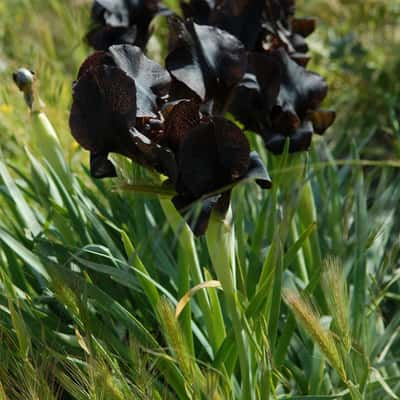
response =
{"points": [[356, 47]]}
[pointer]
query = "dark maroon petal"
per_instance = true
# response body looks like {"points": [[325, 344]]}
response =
{"points": [[102, 37], [225, 55], [302, 89], [274, 142], [222, 206], [299, 43], [211, 156], [284, 118], [301, 140], [146, 72], [152, 80], [179, 90], [152, 6], [218, 204], [96, 59], [111, 12], [300, 58], [234, 7], [322, 120], [183, 59], [186, 72], [181, 117], [198, 10], [126, 22], [155, 156], [103, 110], [248, 103], [258, 172], [101, 166], [196, 213], [250, 82], [97, 13], [124, 12], [199, 169], [303, 26], [268, 71], [204, 58], [233, 148], [141, 14], [242, 18], [281, 10]]}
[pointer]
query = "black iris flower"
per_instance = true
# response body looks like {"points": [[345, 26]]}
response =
{"points": [[116, 94], [212, 153], [278, 97], [121, 104], [241, 18], [282, 101], [122, 22], [204, 61]]}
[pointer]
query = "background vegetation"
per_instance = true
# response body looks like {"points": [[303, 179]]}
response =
{"points": [[89, 275]]}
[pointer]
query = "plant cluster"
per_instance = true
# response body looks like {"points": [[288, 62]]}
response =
{"points": [[106, 295], [247, 58]]}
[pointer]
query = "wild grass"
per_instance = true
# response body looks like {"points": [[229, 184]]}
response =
{"points": [[91, 274]]}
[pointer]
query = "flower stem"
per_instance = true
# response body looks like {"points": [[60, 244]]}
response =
{"points": [[219, 241], [185, 258], [212, 318], [48, 144], [307, 215]]}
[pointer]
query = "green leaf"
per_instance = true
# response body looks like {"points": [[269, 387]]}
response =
{"points": [[21, 251], [21, 205]]}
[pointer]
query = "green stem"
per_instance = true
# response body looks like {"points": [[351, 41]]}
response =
{"points": [[308, 215], [148, 287], [183, 288], [48, 145], [300, 263], [213, 319], [219, 237], [186, 256]]}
